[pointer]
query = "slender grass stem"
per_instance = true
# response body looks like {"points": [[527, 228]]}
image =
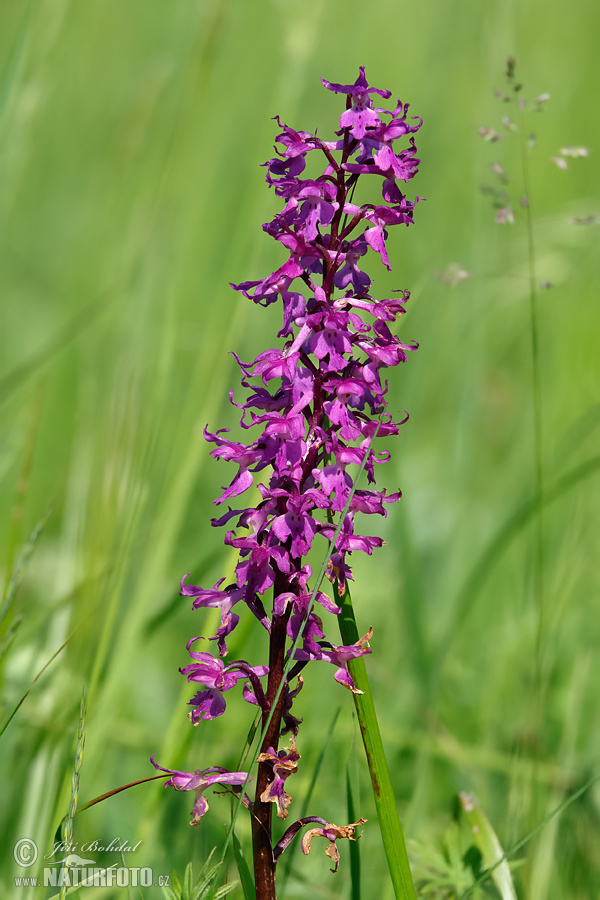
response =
{"points": [[536, 393], [67, 826], [537, 689]]}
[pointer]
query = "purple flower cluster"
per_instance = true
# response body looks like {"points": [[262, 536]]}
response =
{"points": [[314, 403]]}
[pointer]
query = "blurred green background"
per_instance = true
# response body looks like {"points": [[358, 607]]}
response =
{"points": [[131, 135]]}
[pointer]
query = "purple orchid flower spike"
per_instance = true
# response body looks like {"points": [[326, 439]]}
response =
{"points": [[311, 404]]}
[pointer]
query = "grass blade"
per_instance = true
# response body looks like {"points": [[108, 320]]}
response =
{"points": [[16, 59], [22, 563], [354, 846], [169, 893], [67, 828], [23, 481], [9, 636], [39, 675], [188, 883], [17, 376], [492, 553], [245, 875], [385, 803], [488, 844], [526, 838]]}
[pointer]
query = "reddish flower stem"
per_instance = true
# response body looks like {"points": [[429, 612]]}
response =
{"points": [[262, 845]]}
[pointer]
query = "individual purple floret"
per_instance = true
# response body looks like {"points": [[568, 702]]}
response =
{"points": [[284, 763], [198, 782], [311, 404], [216, 677], [361, 116], [332, 833], [340, 657]]}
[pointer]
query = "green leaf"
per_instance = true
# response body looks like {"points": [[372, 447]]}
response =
{"points": [[207, 875], [385, 803], [487, 842], [226, 889], [176, 883], [7, 721], [21, 566], [245, 875], [518, 519], [188, 883], [354, 846], [9, 636]]}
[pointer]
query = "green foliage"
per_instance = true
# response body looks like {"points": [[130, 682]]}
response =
{"points": [[445, 873], [188, 888], [459, 867], [246, 877], [8, 628], [486, 842]]}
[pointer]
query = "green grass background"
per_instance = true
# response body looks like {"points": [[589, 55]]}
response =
{"points": [[131, 135]]}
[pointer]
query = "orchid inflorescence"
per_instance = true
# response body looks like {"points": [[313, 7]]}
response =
{"points": [[318, 399]]}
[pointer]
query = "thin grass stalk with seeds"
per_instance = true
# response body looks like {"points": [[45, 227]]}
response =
{"points": [[67, 825]]}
